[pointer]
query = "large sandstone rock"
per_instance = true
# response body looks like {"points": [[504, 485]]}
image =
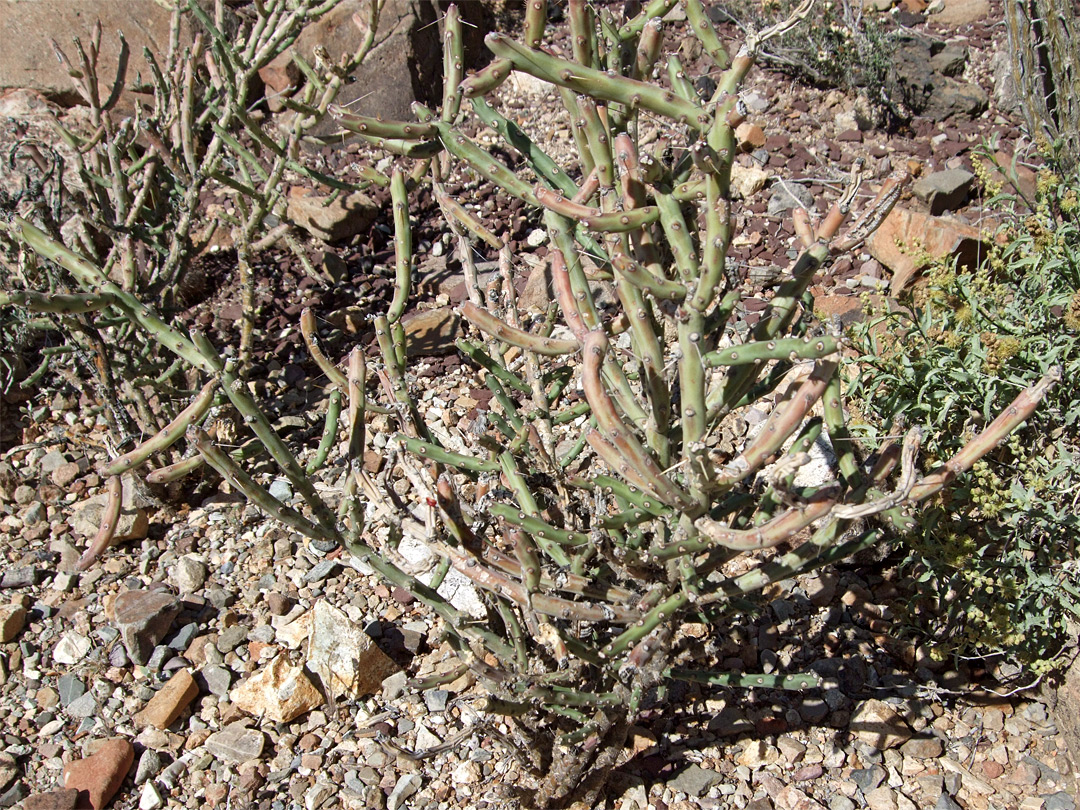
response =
{"points": [[279, 691], [907, 235], [28, 60], [403, 67]]}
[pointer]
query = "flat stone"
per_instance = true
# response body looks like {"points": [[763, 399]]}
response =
{"points": [[236, 743], [1059, 801], [132, 525], [868, 778], [431, 332], [101, 773], [962, 12], [144, 619], [279, 691], [33, 65], [880, 798], [231, 638], [12, 621], [53, 800], [787, 195], [23, 577], [321, 570], [944, 191], [331, 221], [923, 748], [344, 656], [169, 702], [878, 725], [695, 780], [69, 688], [218, 679], [83, 706]]}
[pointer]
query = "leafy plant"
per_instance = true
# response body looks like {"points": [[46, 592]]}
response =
{"points": [[843, 48], [1002, 544]]}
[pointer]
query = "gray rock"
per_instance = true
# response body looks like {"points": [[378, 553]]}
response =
{"points": [[51, 460], [13, 795], [84, 706], [841, 802], [234, 743], [786, 195], [69, 688], [35, 514], [149, 766], [868, 778], [280, 489], [184, 637], [321, 571], [1058, 801], [695, 780], [435, 699], [118, 657], [143, 619], [218, 679], [944, 191], [945, 802], [950, 60], [231, 638], [953, 98], [406, 786], [24, 577]]}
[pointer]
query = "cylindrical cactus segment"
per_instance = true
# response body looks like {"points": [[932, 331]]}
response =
{"points": [[598, 84], [57, 304], [168, 435]]}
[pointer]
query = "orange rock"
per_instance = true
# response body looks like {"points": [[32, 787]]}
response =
{"points": [[906, 235], [750, 136], [100, 774], [169, 702]]}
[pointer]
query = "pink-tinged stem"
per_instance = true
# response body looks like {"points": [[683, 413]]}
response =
{"points": [[110, 519]]}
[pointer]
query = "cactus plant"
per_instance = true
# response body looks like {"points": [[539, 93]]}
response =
{"points": [[593, 559], [596, 512]]}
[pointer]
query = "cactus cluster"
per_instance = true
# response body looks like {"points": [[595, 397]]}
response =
{"points": [[596, 512]]}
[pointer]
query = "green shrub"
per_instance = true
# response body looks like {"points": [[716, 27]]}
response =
{"points": [[842, 48], [999, 550]]}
